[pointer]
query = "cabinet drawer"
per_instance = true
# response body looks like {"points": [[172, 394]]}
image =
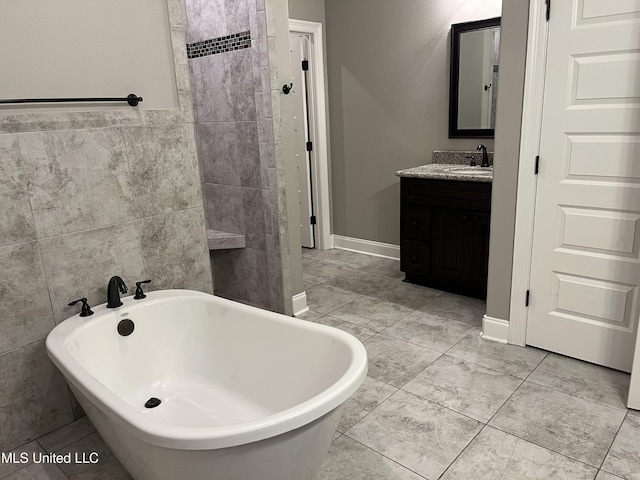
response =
{"points": [[446, 193], [415, 223], [415, 257]]}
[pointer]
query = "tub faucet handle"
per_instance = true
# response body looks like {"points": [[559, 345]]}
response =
{"points": [[139, 293], [86, 309]]}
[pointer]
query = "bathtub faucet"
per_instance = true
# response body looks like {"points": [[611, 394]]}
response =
{"points": [[114, 289]]}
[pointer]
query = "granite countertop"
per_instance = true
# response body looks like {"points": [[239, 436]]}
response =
{"points": [[451, 166]]}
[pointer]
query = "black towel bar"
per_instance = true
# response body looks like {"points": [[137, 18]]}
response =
{"points": [[132, 99]]}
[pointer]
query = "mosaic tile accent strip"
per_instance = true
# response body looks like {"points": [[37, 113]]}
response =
{"points": [[213, 46]]}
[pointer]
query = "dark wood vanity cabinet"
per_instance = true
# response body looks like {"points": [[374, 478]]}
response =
{"points": [[444, 234]]}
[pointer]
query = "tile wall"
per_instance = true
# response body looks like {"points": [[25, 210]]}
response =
{"points": [[84, 196], [235, 125]]}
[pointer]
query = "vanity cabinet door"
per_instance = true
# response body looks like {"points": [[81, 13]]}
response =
{"points": [[450, 240], [461, 251], [415, 258], [479, 253], [415, 223]]}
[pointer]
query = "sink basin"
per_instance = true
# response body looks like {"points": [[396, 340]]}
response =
{"points": [[474, 171]]}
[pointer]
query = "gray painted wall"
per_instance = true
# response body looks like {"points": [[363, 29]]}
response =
{"points": [[388, 69], [84, 196], [309, 10], [513, 48]]}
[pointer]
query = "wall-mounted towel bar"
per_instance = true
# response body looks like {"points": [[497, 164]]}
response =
{"points": [[132, 99]]}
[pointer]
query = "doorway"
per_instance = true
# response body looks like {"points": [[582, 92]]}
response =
{"points": [[308, 79]]}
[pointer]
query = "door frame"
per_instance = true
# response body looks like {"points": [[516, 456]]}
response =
{"points": [[527, 181], [318, 110]]}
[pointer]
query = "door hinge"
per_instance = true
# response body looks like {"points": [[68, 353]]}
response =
{"points": [[548, 14], [312, 219], [537, 167], [526, 301], [305, 65], [309, 146]]}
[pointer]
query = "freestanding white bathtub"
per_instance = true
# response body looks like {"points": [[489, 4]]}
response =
{"points": [[245, 393]]}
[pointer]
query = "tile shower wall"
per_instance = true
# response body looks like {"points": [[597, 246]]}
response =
{"points": [[84, 196], [232, 88]]}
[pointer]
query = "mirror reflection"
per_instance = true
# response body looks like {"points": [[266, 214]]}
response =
{"points": [[474, 78]]}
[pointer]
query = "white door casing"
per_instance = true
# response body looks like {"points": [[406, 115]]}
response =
{"points": [[298, 48], [317, 97], [585, 264]]}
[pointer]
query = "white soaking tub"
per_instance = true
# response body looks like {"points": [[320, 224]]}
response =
{"points": [[244, 393]]}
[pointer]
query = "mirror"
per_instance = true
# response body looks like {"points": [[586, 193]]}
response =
{"points": [[473, 90]]}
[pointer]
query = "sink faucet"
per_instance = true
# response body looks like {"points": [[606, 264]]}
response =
{"points": [[485, 157], [114, 289]]}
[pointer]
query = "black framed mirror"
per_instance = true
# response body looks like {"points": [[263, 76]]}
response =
{"points": [[475, 52]]}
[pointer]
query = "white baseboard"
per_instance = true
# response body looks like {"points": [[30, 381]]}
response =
{"points": [[495, 329], [300, 304], [369, 247]]}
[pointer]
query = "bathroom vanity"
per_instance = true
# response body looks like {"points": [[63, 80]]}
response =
{"points": [[444, 227]]}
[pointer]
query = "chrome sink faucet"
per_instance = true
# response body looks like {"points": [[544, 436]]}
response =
{"points": [[485, 156], [115, 287]]}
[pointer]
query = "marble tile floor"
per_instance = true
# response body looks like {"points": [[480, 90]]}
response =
{"points": [[438, 401]]}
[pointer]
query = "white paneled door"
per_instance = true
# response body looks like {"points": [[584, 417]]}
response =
{"points": [[299, 49], [585, 273]]}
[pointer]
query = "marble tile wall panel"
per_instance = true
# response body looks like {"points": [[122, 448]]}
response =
{"points": [[218, 152], [254, 219], [179, 44], [229, 153], [255, 34], [78, 179], [80, 264], [230, 273], [33, 398], [242, 275], [175, 250], [25, 309], [249, 155], [224, 208], [164, 168], [206, 288], [15, 208], [215, 18], [176, 13], [257, 282], [223, 87]]}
